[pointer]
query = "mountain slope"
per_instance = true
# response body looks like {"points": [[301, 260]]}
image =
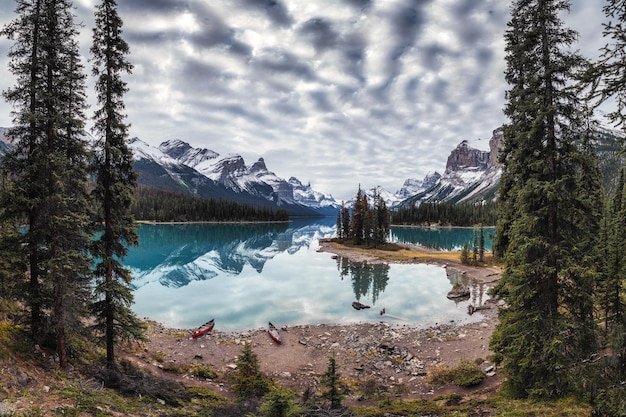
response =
{"points": [[176, 166], [233, 173], [471, 175]]}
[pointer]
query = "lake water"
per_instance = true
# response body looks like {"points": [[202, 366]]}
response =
{"points": [[245, 275]]}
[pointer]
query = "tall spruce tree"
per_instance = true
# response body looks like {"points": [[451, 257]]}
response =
{"points": [[49, 167], [382, 222], [357, 222], [115, 183], [552, 185]]}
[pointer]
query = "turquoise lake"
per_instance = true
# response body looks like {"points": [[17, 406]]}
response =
{"points": [[245, 275]]}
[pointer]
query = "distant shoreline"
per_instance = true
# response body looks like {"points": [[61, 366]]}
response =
{"points": [[423, 226], [154, 222]]}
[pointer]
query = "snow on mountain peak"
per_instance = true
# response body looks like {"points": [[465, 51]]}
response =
{"points": [[259, 167], [185, 154], [142, 150]]}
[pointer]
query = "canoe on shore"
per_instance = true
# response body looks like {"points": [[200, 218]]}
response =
{"points": [[204, 329], [273, 331]]}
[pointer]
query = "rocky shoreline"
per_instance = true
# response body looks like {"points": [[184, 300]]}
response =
{"points": [[374, 359]]}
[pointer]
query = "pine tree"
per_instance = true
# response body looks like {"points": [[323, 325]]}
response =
{"points": [[330, 379], [552, 185], [12, 264], [383, 220], [465, 253], [475, 248], [339, 224], [279, 402], [481, 247], [357, 222], [345, 221], [608, 76], [25, 165], [249, 381], [49, 166], [115, 183]]}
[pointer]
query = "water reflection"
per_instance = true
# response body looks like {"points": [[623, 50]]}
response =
{"points": [[440, 238], [366, 278], [478, 290], [245, 275], [177, 254]]}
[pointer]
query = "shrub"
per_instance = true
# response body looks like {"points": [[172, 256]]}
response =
{"points": [[466, 374], [203, 371], [279, 402]]}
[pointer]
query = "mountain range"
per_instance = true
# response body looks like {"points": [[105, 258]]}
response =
{"points": [[471, 175]]}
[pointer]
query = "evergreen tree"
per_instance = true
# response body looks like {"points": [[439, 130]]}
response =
{"points": [[608, 75], [250, 381], [383, 221], [481, 247], [49, 166], [115, 182], [345, 221], [357, 222], [279, 403], [475, 248], [465, 253], [610, 288], [330, 379], [12, 265], [552, 187], [339, 224]]}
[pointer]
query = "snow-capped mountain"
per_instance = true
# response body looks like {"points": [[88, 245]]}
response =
{"points": [[306, 195], [252, 183], [159, 170], [471, 175], [414, 186], [411, 187], [184, 153]]}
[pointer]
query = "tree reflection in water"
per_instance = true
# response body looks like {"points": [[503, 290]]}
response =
{"points": [[366, 278]]}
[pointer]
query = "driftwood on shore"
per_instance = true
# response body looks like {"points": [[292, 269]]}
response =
{"points": [[472, 309]]}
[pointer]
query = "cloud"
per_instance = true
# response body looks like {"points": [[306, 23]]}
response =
{"points": [[335, 92], [275, 10], [321, 34]]}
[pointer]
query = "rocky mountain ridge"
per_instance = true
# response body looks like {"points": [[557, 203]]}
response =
{"points": [[201, 172], [471, 175]]}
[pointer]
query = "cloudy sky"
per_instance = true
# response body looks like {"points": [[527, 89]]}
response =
{"points": [[334, 92]]}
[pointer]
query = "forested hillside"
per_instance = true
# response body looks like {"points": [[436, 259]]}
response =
{"points": [[152, 204], [447, 214]]}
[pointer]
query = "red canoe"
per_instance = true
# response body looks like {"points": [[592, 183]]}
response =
{"points": [[273, 331], [205, 328]]}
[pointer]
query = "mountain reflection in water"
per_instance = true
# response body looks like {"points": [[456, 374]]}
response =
{"points": [[245, 275]]}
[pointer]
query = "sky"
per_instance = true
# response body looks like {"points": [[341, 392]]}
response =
{"points": [[338, 93]]}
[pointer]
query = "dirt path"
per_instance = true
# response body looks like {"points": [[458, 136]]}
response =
{"points": [[374, 360]]}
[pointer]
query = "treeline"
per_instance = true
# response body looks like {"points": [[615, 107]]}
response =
{"points": [[166, 206], [447, 214]]}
